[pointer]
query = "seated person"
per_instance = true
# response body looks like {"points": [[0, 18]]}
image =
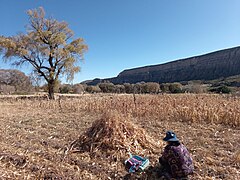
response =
{"points": [[175, 160]]}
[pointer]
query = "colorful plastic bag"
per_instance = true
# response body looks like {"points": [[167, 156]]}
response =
{"points": [[135, 163]]}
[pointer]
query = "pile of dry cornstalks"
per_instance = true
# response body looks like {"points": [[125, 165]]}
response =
{"points": [[115, 133]]}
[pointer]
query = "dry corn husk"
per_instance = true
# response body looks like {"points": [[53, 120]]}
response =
{"points": [[115, 133]]}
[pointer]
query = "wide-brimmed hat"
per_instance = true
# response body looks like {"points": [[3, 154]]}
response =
{"points": [[171, 136]]}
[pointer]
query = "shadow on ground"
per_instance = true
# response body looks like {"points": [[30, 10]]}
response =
{"points": [[150, 174]]}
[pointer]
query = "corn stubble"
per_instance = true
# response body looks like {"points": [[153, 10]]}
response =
{"points": [[89, 136]]}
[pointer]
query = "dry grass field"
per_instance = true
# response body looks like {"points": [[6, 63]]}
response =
{"points": [[87, 137]]}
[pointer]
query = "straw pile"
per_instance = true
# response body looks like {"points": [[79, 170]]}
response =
{"points": [[115, 133]]}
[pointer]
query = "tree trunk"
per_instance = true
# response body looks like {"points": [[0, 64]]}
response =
{"points": [[51, 85]]}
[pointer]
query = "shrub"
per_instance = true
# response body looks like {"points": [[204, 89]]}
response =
{"points": [[78, 88], [66, 88], [137, 88], [164, 87], [222, 89], [107, 87], [6, 89], [93, 89], [129, 88], [150, 87], [119, 88], [175, 88], [195, 88]]}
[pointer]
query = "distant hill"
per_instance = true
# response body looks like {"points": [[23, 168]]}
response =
{"points": [[215, 65]]}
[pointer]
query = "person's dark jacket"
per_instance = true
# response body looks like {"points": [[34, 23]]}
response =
{"points": [[177, 160]]}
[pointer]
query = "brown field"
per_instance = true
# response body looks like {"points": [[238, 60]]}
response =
{"points": [[43, 139]]}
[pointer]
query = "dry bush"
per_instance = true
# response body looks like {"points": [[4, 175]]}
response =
{"points": [[7, 89]]}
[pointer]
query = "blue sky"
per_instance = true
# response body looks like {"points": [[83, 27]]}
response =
{"points": [[123, 34]]}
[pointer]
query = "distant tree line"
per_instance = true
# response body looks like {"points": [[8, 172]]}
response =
{"points": [[108, 87], [16, 82], [142, 88]]}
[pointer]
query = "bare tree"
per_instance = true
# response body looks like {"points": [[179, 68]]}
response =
{"points": [[47, 46]]}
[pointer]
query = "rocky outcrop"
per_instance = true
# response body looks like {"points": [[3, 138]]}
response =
{"points": [[210, 66]]}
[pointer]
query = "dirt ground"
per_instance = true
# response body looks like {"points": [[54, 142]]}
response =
{"points": [[34, 142]]}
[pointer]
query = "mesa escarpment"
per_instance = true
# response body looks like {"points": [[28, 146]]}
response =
{"points": [[219, 64]]}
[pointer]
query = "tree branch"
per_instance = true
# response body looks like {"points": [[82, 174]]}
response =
{"points": [[37, 67]]}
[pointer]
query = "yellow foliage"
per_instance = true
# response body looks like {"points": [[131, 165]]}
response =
{"points": [[47, 46]]}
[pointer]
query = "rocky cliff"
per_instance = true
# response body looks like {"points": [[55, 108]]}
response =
{"points": [[213, 65]]}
